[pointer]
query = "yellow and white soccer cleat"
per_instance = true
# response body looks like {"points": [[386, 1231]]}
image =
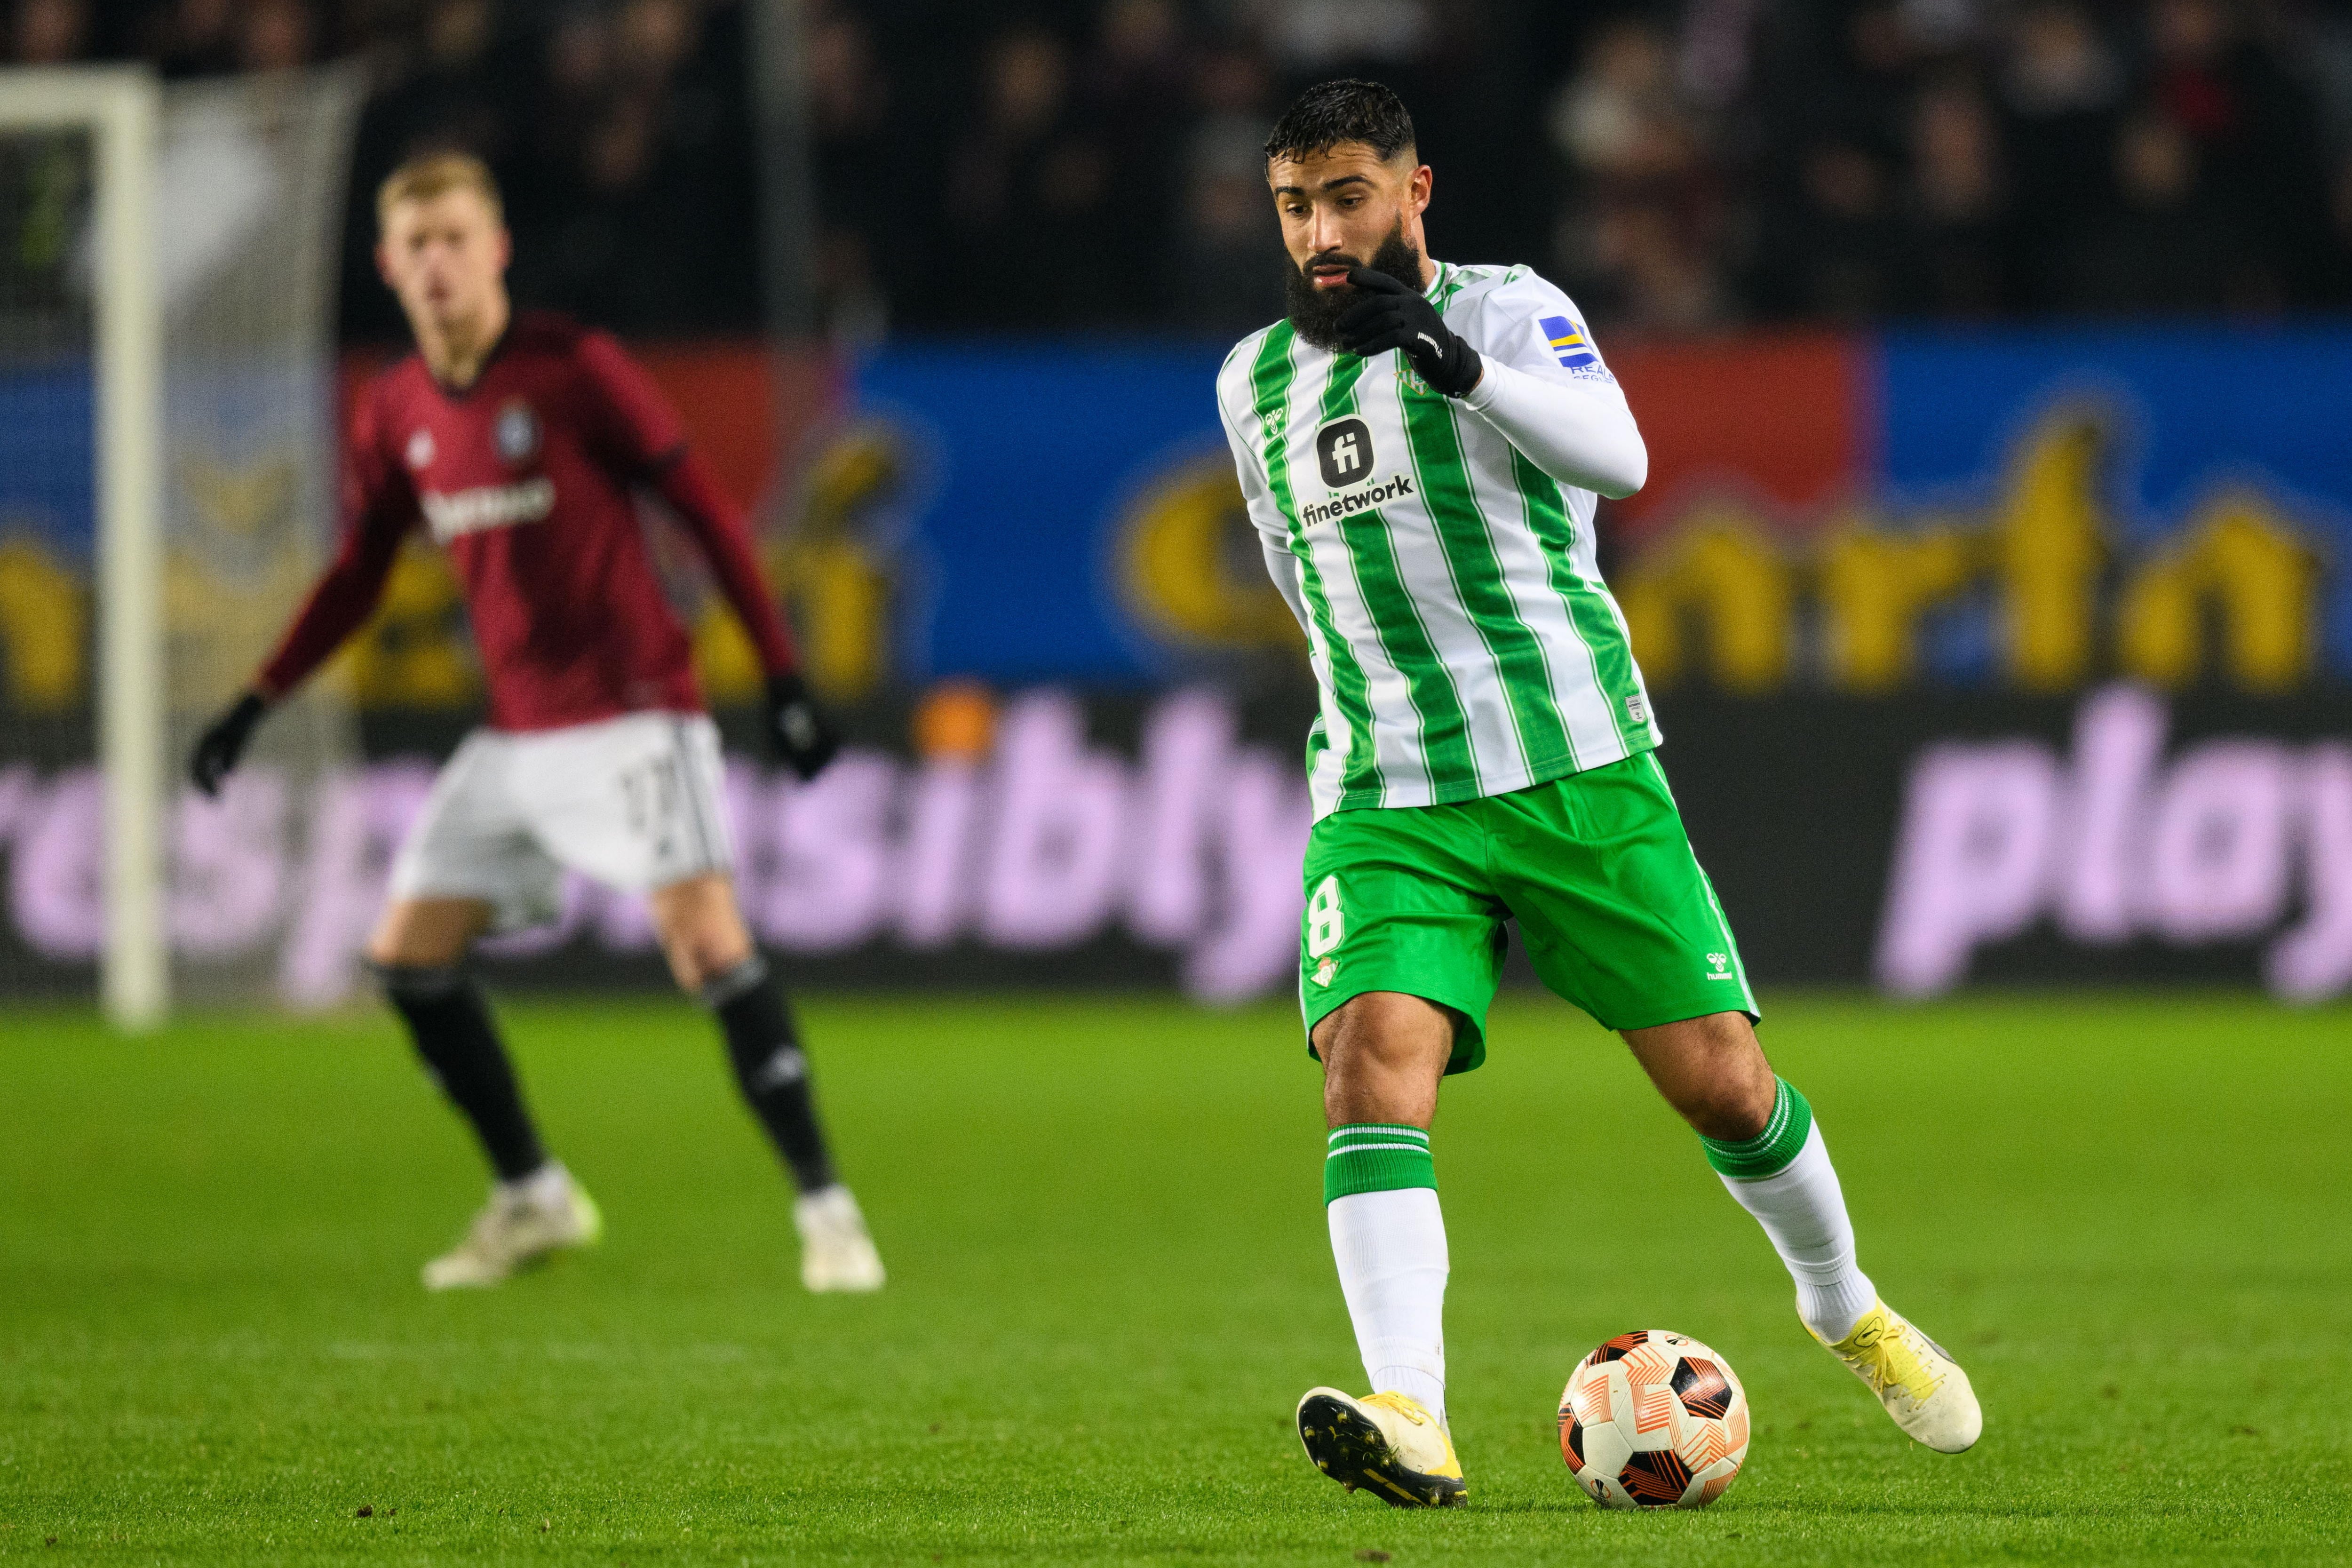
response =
{"points": [[837, 1252], [1387, 1444], [1916, 1378], [515, 1230]]}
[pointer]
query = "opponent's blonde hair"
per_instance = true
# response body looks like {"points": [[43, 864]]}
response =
{"points": [[431, 174]]}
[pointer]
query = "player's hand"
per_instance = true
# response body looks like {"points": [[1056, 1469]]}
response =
{"points": [[223, 742], [799, 734], [1392, 316]]}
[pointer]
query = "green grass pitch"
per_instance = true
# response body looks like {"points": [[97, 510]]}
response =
{"points": [[1110, 1283]]}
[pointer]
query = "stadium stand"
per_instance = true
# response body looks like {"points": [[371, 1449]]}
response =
{"points": [[1693, 164]]}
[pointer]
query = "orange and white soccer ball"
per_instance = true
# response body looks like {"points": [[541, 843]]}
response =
{"points": [[1652, 1419]]}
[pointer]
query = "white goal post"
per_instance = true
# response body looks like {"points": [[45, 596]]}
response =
{"points": [[120, 109]]}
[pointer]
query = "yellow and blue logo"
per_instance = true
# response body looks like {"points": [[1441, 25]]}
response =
{"points": [[1567, 341]]}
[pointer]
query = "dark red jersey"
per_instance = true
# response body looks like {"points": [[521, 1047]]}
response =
{"points": [[527, 478]]}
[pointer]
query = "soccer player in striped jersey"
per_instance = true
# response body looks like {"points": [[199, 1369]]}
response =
{"points": [[1422, 446]]}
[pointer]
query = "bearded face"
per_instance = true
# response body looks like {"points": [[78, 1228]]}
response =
{"points": [[1315, 309]]}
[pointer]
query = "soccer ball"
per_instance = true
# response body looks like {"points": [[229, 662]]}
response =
{"points": [[1651, 1419]]}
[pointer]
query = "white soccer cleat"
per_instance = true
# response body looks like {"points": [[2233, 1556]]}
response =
{"points": [[837, 1252], [1387, 1444], [1921, 1386], [522, 1225]]}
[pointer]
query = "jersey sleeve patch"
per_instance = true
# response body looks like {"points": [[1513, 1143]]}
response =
{"points": [[1567, 342], [1564, 339]]}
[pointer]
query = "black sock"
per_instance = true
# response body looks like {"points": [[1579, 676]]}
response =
{"points": [[451, 1025], [769, 1067]]}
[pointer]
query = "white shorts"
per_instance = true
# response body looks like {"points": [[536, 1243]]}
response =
{"points": [[636, 803]]}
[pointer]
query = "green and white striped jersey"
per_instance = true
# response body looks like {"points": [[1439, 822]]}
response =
{"points": [[1463, 639]]}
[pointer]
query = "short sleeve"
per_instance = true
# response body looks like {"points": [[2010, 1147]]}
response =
{"points": [[635, 423], [1248, 469], [1529, 324], [373, 481]]}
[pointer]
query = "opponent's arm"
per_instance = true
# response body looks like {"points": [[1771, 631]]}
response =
{"points": [[644, 439], [724, 536], [378, 512], [1579, 431], [796, 727]]}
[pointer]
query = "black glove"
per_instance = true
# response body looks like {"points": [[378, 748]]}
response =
{"points": [[799, 734], [223, 742], [1392, 316]]}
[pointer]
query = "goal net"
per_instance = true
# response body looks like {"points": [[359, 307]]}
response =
{"points": [[167, 463]]}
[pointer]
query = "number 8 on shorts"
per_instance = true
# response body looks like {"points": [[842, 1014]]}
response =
{"points": [[1327, 927]]}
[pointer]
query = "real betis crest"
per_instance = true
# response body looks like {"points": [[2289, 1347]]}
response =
{"points": [[1410, 379]]}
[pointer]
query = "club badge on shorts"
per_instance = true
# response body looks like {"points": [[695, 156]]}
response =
{"points": [[516, 433]]}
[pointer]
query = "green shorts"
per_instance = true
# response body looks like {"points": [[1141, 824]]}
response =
{"points": [[1595, 866]]}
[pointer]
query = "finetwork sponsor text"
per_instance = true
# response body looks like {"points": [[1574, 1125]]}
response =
{"points": [[1353, 501]]}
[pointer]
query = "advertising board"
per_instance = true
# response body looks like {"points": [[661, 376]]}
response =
{"points": [[1982, 655]]}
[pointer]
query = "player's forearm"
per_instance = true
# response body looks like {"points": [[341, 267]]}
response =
{"points": [[1580, 432], [719, 525], [341, 603], [333, 615]]}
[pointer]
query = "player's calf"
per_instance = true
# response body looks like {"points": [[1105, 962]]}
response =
{"points": [[1711, 1070], [450, 1022], [836, 1251], [770, 1068], [1783, 1176]]}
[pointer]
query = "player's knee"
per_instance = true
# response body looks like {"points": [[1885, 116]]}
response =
{"points": [[1729, 1096], [426, 933], [702, 950], [401, 947], [695, 968], [1728, 1112]]}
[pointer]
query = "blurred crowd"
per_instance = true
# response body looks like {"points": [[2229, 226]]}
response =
{"points": [[1094, 164], [1737, 159]]}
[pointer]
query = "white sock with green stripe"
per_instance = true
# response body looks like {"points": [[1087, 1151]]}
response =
{"points": [[1388, 1237], [1783, 1176]]}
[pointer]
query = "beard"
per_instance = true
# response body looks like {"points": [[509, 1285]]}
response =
{"points": [[1316, 312]]}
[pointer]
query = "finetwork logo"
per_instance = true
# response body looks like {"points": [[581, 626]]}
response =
{"points": [[1396, 487], [1344, 449]]}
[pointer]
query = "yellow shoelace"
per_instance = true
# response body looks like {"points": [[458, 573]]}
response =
{"points": [[1880, 1348], [1402, 1405]]}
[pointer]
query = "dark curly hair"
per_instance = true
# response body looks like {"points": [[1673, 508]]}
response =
{"points": [[1331, 113]]}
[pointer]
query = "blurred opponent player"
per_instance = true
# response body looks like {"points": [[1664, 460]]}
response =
{"points": [[1420, 445], [520, 444]]}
